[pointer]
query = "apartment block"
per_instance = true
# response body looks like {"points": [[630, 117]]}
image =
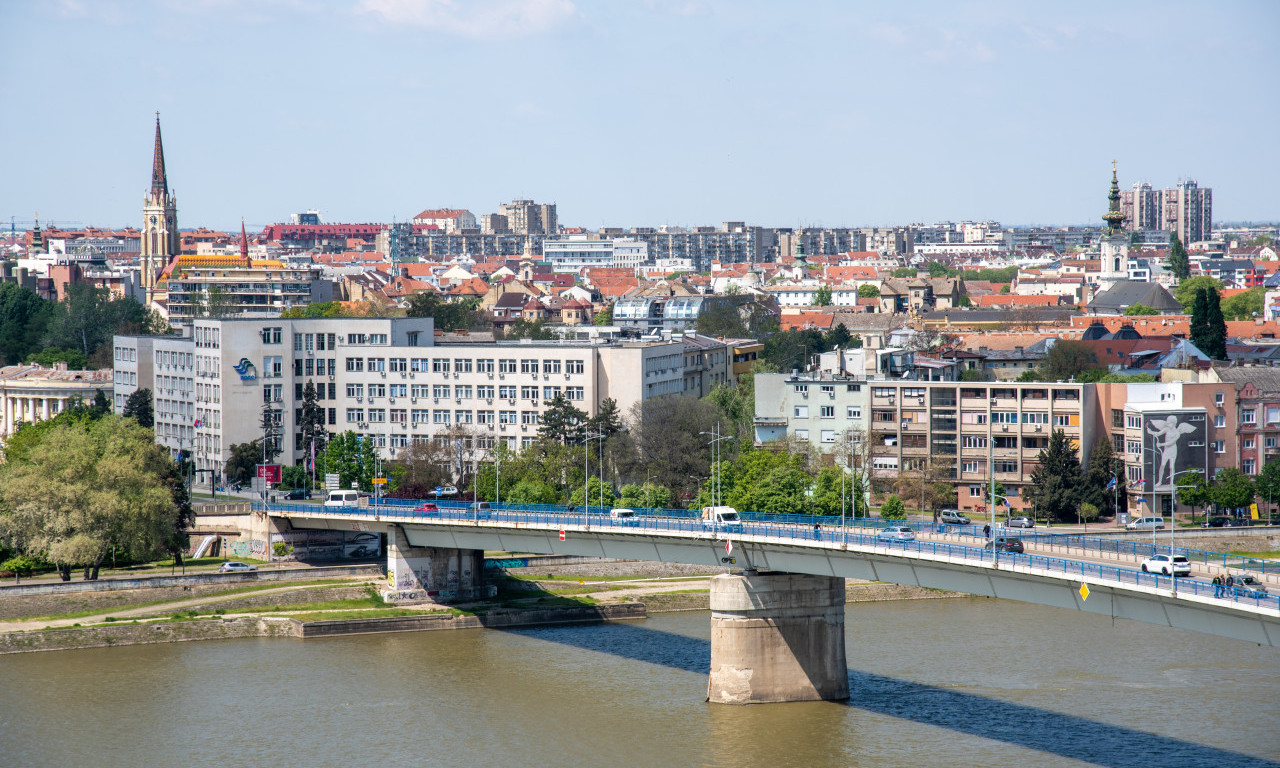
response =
{"points": [[825, 411], [263, 289], [390, 380]]}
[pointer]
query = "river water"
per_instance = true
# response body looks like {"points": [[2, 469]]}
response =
{"points": [[949, 683]]}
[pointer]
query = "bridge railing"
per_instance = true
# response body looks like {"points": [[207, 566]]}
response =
{"points": [[799, 532]]}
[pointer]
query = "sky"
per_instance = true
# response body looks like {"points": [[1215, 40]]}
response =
{"points": [[636, 112]]}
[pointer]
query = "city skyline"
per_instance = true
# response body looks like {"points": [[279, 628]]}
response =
{"points": [[684, 114]]}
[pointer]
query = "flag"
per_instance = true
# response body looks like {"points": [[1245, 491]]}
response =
{"points": [[197, 424], [1007, 504], [1140, 481], [1111, 484]]}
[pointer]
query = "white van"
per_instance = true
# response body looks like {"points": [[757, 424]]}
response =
{"points": [[721, 516], [624, 516], [1145, 524], [343, 499]]}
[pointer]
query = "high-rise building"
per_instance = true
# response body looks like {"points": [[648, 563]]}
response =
{"points": [[160, 241], [525, 217], [1186, 210]]}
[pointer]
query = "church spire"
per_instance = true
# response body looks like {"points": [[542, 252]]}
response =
{"points": [[1113, 217], [244, 243], [159, 182]]}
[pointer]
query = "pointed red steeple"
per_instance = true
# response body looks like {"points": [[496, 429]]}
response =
{"points": [[244, 243], [159, 182]]}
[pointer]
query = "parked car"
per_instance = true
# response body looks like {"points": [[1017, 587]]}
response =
{"points": [[953, 517], [896, 533], [1249, 586], [1224, 521], [448, 490], [1019, 522], [1160, 564], [298, 493], [232, 566], [1005, 544], [1145, 524]]}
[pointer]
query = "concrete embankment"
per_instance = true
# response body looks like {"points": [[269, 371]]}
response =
{"points": [[251, 626], [854, 592]]}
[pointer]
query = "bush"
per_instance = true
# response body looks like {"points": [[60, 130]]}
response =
{"points": [[20, 565], [893, 508], [1088, 512]]}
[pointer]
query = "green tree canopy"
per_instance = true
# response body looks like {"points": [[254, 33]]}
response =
{"points": [[604, 316], [24, 318], [1186, 291], [138, 408], [904, 272], [1232, 489], [1179, 264], [1067, 359], [538, 330], [352, 458], [822, 296], [644, 496], [1139, 310], [868, 291], [461, 315], [1056, 486], [1208, 327], [1246, 305], [88, 488], [562, 421], [893, 508], [74, 358], [937, 269]]}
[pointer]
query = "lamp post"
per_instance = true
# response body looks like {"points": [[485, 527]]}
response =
{"points": [[716, 437], [586, 474]]}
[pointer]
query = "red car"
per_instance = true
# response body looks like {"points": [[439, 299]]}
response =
{"points": [[428, 507]]}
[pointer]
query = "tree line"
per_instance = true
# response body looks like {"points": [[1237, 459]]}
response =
{"points": [[77, 330]]}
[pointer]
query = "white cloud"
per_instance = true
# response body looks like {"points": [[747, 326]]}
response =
{"points": [[479, 19]]}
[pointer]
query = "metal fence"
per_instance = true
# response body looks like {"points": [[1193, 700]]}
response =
{"points": [[810, 528]]}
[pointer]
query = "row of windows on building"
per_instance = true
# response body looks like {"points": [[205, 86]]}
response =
{"points": [[437, 416]]}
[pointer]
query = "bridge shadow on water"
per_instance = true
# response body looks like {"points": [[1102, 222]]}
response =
{"points": [[1069, 736]]}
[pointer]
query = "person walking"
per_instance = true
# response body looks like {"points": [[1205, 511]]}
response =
{"points": [[1230, 584], [986, 531], [1217, 585], [817, 531]]}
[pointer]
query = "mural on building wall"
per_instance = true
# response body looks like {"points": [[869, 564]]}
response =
{"points": [[1174, 443]]}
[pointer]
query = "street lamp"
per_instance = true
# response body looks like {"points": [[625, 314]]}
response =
{"points": [[716, 437]]}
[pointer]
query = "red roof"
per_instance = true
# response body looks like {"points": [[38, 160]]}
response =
{"points": [[440, 213]]}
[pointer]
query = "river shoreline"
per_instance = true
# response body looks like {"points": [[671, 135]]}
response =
{"points": [[146, 632]]}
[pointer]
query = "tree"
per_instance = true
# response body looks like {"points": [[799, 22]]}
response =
{"points": [[448, 315], [316, 309], [532, 492], [1066, 360], [312, 424], [1186, 290], [1194, 492], [667, 442], [1103, 477], [905, 272], [893, 508], [646, 496], [216, 302], [243, 462], [562, 421], [24, 318], [271, 432], [1232, 489], [1178, 263], [1267, 483], [74, 358], [1055, 487], [1208, 327], [937, 269], [822, 296], [352, 458], [1088, 513], [837, 337], [598, 494], [1140, 310], [868, 291], [608, 420], [603, 317], [537, 330], [89, 489], [1246, 305], [138, 408], [423, 465]]}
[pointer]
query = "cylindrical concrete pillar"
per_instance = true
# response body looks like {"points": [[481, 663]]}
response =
{"points": [[777, 637]]}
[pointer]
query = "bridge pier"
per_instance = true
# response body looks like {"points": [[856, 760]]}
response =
{"points": [[777, 637], [432, 574]]}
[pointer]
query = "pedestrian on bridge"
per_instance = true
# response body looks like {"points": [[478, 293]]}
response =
{"points": [[1217, 585], [817, 531], [986, 531]]}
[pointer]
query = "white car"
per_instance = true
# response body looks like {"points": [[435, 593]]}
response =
{"points": [[235, 567], [448, 490], [896, 533], [1160, 564]]}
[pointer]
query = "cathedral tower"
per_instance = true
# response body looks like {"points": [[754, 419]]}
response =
{"points": [[160, 242], [1115, 245]]}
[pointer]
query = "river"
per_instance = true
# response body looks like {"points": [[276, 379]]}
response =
{"points": [[948, 683]]}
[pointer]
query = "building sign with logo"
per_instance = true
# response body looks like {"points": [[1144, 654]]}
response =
{"points": [[269, 473], [246, 369]]}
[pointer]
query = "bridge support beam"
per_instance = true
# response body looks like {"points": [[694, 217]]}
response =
{"points": [[432, 574], [777, 637]]}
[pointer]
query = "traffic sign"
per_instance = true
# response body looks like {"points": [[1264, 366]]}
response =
{"points": [[379, 480], [332, 481], [728, 547], [562, 535]]}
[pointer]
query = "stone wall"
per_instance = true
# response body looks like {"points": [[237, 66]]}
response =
{"points": [[587, 614], [190, 580], [143, 634]]}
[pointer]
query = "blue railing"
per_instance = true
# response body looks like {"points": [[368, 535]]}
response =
{"points": [[802, 528]]}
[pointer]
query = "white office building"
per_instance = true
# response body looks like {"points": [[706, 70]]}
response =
{"points": [[573, 253], [389, 380]]}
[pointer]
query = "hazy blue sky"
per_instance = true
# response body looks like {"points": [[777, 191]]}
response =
{"points": [[636, 113]]}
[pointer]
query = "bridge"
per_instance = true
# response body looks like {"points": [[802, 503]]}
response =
{"points": [[778, 623]]}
